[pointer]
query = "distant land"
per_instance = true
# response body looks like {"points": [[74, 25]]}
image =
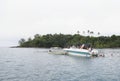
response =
{"points": [[66, 40]]}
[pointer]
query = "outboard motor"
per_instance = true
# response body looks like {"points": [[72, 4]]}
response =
{"points": [[94, 52]]}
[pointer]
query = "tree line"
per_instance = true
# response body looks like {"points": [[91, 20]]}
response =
{"points": [[62, 40]]}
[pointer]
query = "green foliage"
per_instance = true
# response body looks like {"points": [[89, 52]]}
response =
{"points": [[61, 40], [22, 42]]}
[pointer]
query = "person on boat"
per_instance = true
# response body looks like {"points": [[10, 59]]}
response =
{"points": [[83, 46], [86, 46], [90, 49]]}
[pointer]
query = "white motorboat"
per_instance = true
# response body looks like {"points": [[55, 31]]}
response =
{"points": [[81, 52], [56, 50]]}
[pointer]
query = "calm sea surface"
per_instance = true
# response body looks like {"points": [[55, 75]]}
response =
{"points": [[35, 64]]}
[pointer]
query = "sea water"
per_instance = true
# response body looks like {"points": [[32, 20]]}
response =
{"points": [[35, 64]]}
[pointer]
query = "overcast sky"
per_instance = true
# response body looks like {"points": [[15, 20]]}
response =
{"points": [[25, 18]]}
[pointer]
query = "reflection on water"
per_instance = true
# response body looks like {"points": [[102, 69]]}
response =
{"points": [[34, 64]]}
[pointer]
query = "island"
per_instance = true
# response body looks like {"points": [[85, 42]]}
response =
{"points": [[66, 40]]}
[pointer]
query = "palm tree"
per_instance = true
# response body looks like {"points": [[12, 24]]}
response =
{"points": [[98, 33], [78, 32], [88, 32], [91, 33]]}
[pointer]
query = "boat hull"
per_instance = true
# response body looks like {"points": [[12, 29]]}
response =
{"points": [[78, 52]]}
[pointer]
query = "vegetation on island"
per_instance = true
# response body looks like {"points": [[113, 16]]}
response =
{"points": [[62, 40]]}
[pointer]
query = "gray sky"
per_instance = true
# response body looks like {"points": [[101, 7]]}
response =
{"points": [[25, 18]]}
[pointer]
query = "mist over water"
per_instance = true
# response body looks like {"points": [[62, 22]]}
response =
{"points": [[35, 64]]}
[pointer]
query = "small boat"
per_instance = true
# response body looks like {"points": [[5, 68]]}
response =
{"points": [[56, 50], [81, 52]]}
